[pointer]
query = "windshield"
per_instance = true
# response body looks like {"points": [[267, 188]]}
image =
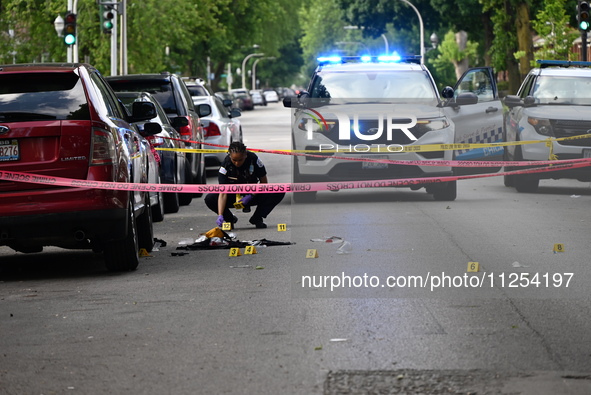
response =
{"points": [[562, 90], [404, 86], [41, 96], [160, 90]]}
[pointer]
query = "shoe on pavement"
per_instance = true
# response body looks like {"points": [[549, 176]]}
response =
{"points": [[258, 223]]}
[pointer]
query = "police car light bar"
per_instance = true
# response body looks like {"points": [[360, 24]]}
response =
{"points": [[563, 63], [367, 59]]}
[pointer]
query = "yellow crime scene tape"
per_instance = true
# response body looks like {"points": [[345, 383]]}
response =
{"points": [[399, 148]]}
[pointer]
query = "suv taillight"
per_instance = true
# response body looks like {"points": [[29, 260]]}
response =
{"points": [[212, 130], [187, 130], [103, 147], [155, 141]]}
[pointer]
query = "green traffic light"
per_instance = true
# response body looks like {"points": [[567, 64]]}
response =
{"points": [[70, 39], [108, 25]]}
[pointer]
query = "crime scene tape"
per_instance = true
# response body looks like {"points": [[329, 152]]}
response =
{"points": [[411, 148], [265, 188]]}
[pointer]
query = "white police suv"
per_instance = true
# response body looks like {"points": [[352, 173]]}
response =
{"points": [[554, 101], [375, 108]]}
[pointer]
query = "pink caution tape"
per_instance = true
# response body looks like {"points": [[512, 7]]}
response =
{"points": [[270, 187]]}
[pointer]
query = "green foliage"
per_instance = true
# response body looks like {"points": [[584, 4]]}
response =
{"points": [[552, 25], [450, 54]]}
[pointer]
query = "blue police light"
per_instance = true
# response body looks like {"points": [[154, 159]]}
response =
{"points": [[366, 58], [389, 58], [329, 59]]}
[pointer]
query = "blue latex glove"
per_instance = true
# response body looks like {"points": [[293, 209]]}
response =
{"points": [[246, 200], [220, 220]]}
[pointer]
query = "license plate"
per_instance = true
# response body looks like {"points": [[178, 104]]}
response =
{"points": [[587, 153], [374, 165], [9, 150]]}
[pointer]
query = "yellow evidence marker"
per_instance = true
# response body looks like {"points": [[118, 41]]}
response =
{"points": [[249, 250], [558, 247], [235, 252], [226, 226], [473, 267], [311, 253], [281, 227]]}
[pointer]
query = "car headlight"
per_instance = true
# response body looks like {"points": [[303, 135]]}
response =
{"points": [[542, 126], [429, 125], [316, 125]]}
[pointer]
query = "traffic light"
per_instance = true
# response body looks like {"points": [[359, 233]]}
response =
{"points": [[107, 15], [583, 15], [70, 29]]}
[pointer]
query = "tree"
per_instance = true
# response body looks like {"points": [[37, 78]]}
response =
{"points": [[552, 25], [454, 50]]}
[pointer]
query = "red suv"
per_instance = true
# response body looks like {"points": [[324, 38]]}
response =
{"points": [[65, 121]]}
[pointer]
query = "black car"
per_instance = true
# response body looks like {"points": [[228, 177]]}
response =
{"points": [[174, 97], [173, 164]]}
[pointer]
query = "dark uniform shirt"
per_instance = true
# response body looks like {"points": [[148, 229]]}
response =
{"points": [[251, 171]]}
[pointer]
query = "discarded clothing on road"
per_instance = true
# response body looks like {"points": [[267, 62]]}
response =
{"points": [[218, 239]]}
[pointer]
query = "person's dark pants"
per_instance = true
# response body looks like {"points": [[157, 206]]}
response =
{"points": [[264, 202]]}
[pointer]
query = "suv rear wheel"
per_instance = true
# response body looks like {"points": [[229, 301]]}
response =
{"points": [[123, 255]]}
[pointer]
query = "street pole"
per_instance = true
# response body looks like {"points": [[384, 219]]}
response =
{"points": [[386, 44], [229, 78], [584, 46], [124, 38], [70, 50], [244, 67], [114, 43], [75, 46], [422, 33]]}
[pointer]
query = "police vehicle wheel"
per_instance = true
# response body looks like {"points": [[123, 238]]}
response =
{"points": [[301, 197], [304, 197], [446, 193], [526, 183]]}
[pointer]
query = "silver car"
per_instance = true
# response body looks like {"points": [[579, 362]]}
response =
{"points": [[553, 102], [374, 109], [221, 127]]}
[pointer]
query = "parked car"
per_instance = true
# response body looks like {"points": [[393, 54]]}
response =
{"points": [[197, 87], [271, 96], [554, 101], [63, 120], [244, 99], [172, 164], [222, 126], [258, 99], [234, 103], [173, 95]]}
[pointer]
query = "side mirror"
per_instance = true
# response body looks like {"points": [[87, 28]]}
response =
{"points": [[466, 98], [179, 122], [529, 101], [447, 92], [235, 112], [512, 101], [287, 102], [151, 128], [142, 111], [203, 110]]}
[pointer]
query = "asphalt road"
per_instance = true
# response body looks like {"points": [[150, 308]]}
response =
{"points": [[269, 323]]}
